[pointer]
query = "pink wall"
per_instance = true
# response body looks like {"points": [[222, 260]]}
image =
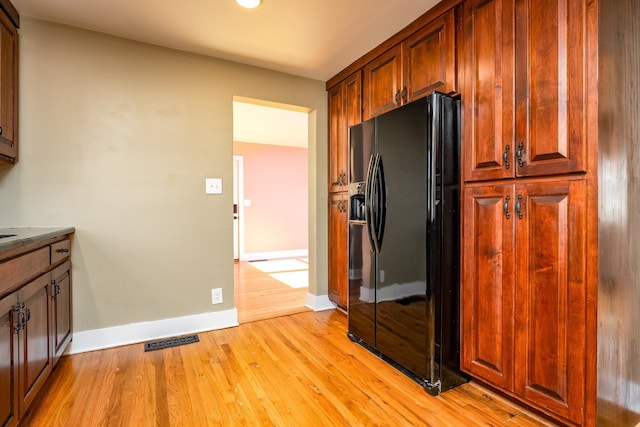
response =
{"points": [[275, 180]]}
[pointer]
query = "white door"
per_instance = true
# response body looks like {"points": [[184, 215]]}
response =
{"points": [[238, 208]]}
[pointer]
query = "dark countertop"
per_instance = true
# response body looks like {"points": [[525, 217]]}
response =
{"points": [[28, 236]]}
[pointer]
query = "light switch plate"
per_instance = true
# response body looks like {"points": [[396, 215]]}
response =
{"points": [[213, 185]]}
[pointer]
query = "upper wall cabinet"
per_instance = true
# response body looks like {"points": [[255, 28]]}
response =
{"points": [[423, 62], [9, 22], [524, 88], [345, 109]]}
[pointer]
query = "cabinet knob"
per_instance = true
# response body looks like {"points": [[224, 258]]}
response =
{"points": [[0, 130]]}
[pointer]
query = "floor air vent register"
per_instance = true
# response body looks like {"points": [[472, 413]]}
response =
{"points": [[170, 342]]}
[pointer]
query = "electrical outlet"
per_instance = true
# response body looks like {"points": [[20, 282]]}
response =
{"points": [[216, 296]]}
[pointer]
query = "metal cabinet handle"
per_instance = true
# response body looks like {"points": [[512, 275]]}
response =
{"points": [[505, 156], [519, 206], [519, 154], [62, 251], [397, 97], [19, 319], [506, 207], [404, 94]]}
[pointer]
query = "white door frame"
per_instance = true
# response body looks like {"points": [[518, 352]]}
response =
{"points": [[238, 200]]}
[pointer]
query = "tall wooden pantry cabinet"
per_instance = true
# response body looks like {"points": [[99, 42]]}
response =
{"points": [[525, 236], [345, 109]]}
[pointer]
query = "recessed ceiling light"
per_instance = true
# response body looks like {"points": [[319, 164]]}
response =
{"points": [[249, 4]]}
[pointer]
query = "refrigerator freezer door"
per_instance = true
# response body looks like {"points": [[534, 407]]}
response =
{"points": [[361, 309], [362, 291]]}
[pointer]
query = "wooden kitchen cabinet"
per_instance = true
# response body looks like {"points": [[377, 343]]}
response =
{"points": [[524, 91], [345, 109], [60, 310], [338, 249], [422, 63], [25, 361], [551, 295], [383, 83], [429, 58], [9, 22], [8, 362], [524, 294], [35, 314], [488, 291], [34, 351]]}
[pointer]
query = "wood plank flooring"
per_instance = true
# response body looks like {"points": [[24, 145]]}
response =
{"points": [[259, 296], [296, 370]]}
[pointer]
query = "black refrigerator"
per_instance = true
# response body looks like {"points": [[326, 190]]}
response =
{"points": [[404, 239]]}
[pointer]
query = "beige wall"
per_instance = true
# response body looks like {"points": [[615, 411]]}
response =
{"points": [[276, 183], [117, 138]]}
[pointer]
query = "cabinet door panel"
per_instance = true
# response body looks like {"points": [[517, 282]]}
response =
{"points": [[550, 86], [429, 58], [488, 88], [338, 246], [336, 137], [60, 310], [8, 362], [35, 353], [551, 296], [345, 109], [488, 286], [8, 88], [353, 101], [382, 83]]}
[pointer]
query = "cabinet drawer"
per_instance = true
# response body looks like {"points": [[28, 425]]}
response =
{"points": [[60, 250], [18, 271]]}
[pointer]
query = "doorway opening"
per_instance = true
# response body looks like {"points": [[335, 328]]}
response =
{"points": [[271, 216]]}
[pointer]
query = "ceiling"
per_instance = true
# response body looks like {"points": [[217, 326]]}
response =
{"points": [[314, 39]]}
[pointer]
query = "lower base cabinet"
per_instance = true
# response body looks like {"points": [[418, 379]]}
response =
{"points": [[34, 344], [35, 329], [8, 361], [524, 292], [338, 249], [60, 309]]}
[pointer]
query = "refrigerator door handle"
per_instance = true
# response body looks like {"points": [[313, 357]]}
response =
{"points": [[381, 196], [434, 116], [367, 201], [373, 199]]}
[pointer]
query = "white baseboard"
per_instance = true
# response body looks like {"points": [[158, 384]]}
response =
{"points": [[319, 302], [255, 256], [99, 339]]}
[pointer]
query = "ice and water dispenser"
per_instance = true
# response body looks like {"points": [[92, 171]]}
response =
{"points": [[356, 201]]}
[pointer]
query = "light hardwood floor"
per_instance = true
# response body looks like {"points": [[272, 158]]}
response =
{"points": [[259, 296], [296, 370]]}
